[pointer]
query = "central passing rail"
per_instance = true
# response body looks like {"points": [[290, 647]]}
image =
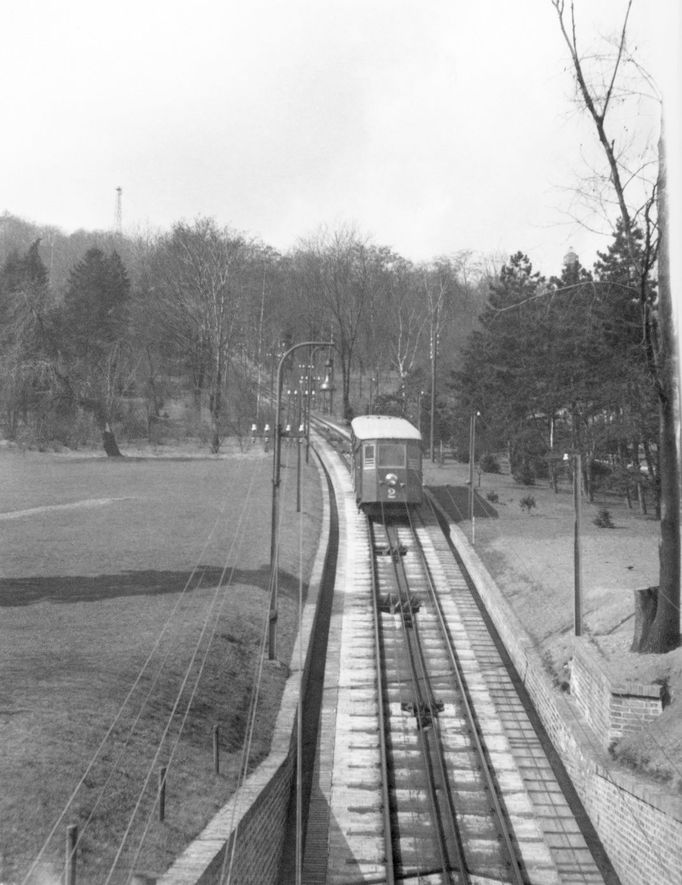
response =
{"points": [[445, 812]]}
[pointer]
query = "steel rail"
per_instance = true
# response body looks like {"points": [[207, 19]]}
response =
{"points": [[383, 744], [417, 692], [440, 793], [486, 768]]}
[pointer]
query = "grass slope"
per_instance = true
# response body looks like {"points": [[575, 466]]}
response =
{"points": [[530, 554], [113, 633]]}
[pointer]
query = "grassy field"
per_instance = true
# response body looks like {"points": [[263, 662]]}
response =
{"points": [[529, 552], [134, 603]]}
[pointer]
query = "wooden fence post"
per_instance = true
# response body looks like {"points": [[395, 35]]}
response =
{"points": [[216, 748], [162, 793], [70, 861]]}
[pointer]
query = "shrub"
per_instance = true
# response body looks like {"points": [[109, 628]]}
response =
{"points": [[600, 468], [603, 520], [527, 503], [489, 463], [493, 497], [540, 468], [524, 474]]}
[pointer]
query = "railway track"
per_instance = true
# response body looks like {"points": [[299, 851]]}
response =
{"points": [[445, 814]]}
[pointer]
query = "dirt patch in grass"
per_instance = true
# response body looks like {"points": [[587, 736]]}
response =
{"points": [[530, 555], [130, 628]]}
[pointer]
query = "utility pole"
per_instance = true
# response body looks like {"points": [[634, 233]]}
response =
{"points": [[434, 357], [276, 469], [472, 461]]}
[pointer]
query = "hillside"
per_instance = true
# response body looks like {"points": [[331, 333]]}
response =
{"points": [[530, 555]]}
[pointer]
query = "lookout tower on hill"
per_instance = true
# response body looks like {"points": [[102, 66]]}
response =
{"points": [[571, 258], [118, 212]]}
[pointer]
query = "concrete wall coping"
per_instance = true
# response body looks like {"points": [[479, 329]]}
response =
{"points": [[621, 688]]}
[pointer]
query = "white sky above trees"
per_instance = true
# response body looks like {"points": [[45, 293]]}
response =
{"points": [[431, 125]]}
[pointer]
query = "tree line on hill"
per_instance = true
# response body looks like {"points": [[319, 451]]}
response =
{"points": [[202, 314]]}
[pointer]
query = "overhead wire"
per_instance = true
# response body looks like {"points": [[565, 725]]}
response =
{"points": [[213, 616], [173, 711], [299, 711], [95, 756], [170, 651], [227, 866]]}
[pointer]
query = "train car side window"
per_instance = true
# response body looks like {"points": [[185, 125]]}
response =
{"points": [[413, 453], [391, 454], [368, 461]]}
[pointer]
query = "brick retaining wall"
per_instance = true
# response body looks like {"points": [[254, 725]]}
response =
{"points": [[640, 825], [611, 709]]}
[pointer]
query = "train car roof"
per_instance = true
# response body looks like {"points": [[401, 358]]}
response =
{"points": [[383, 427]]}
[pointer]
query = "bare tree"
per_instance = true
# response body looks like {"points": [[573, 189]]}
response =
{"points": [[200, 299], [409, 318], [442, 291], [340, 272], [660, 617]]}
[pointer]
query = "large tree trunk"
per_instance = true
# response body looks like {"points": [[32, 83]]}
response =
{"points": [[99, 412], [216, 406], [646, 603], [663, 634], [109, 442], [345, 390], [214, 409]]}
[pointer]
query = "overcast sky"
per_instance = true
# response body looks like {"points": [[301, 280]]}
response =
{"points": [[431, 125]]}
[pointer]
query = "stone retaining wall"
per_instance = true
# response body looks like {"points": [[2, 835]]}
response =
{"points": [[640, 825]]}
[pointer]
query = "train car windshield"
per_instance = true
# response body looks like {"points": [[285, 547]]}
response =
{"points": [[391, 455]]}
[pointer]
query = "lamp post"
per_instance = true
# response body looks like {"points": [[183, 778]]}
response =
{"points": [[327, 386], [310, 400], [472, 459], [276, 470], [434, 359], [419, 410], [302, 396], [577, 562]]}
